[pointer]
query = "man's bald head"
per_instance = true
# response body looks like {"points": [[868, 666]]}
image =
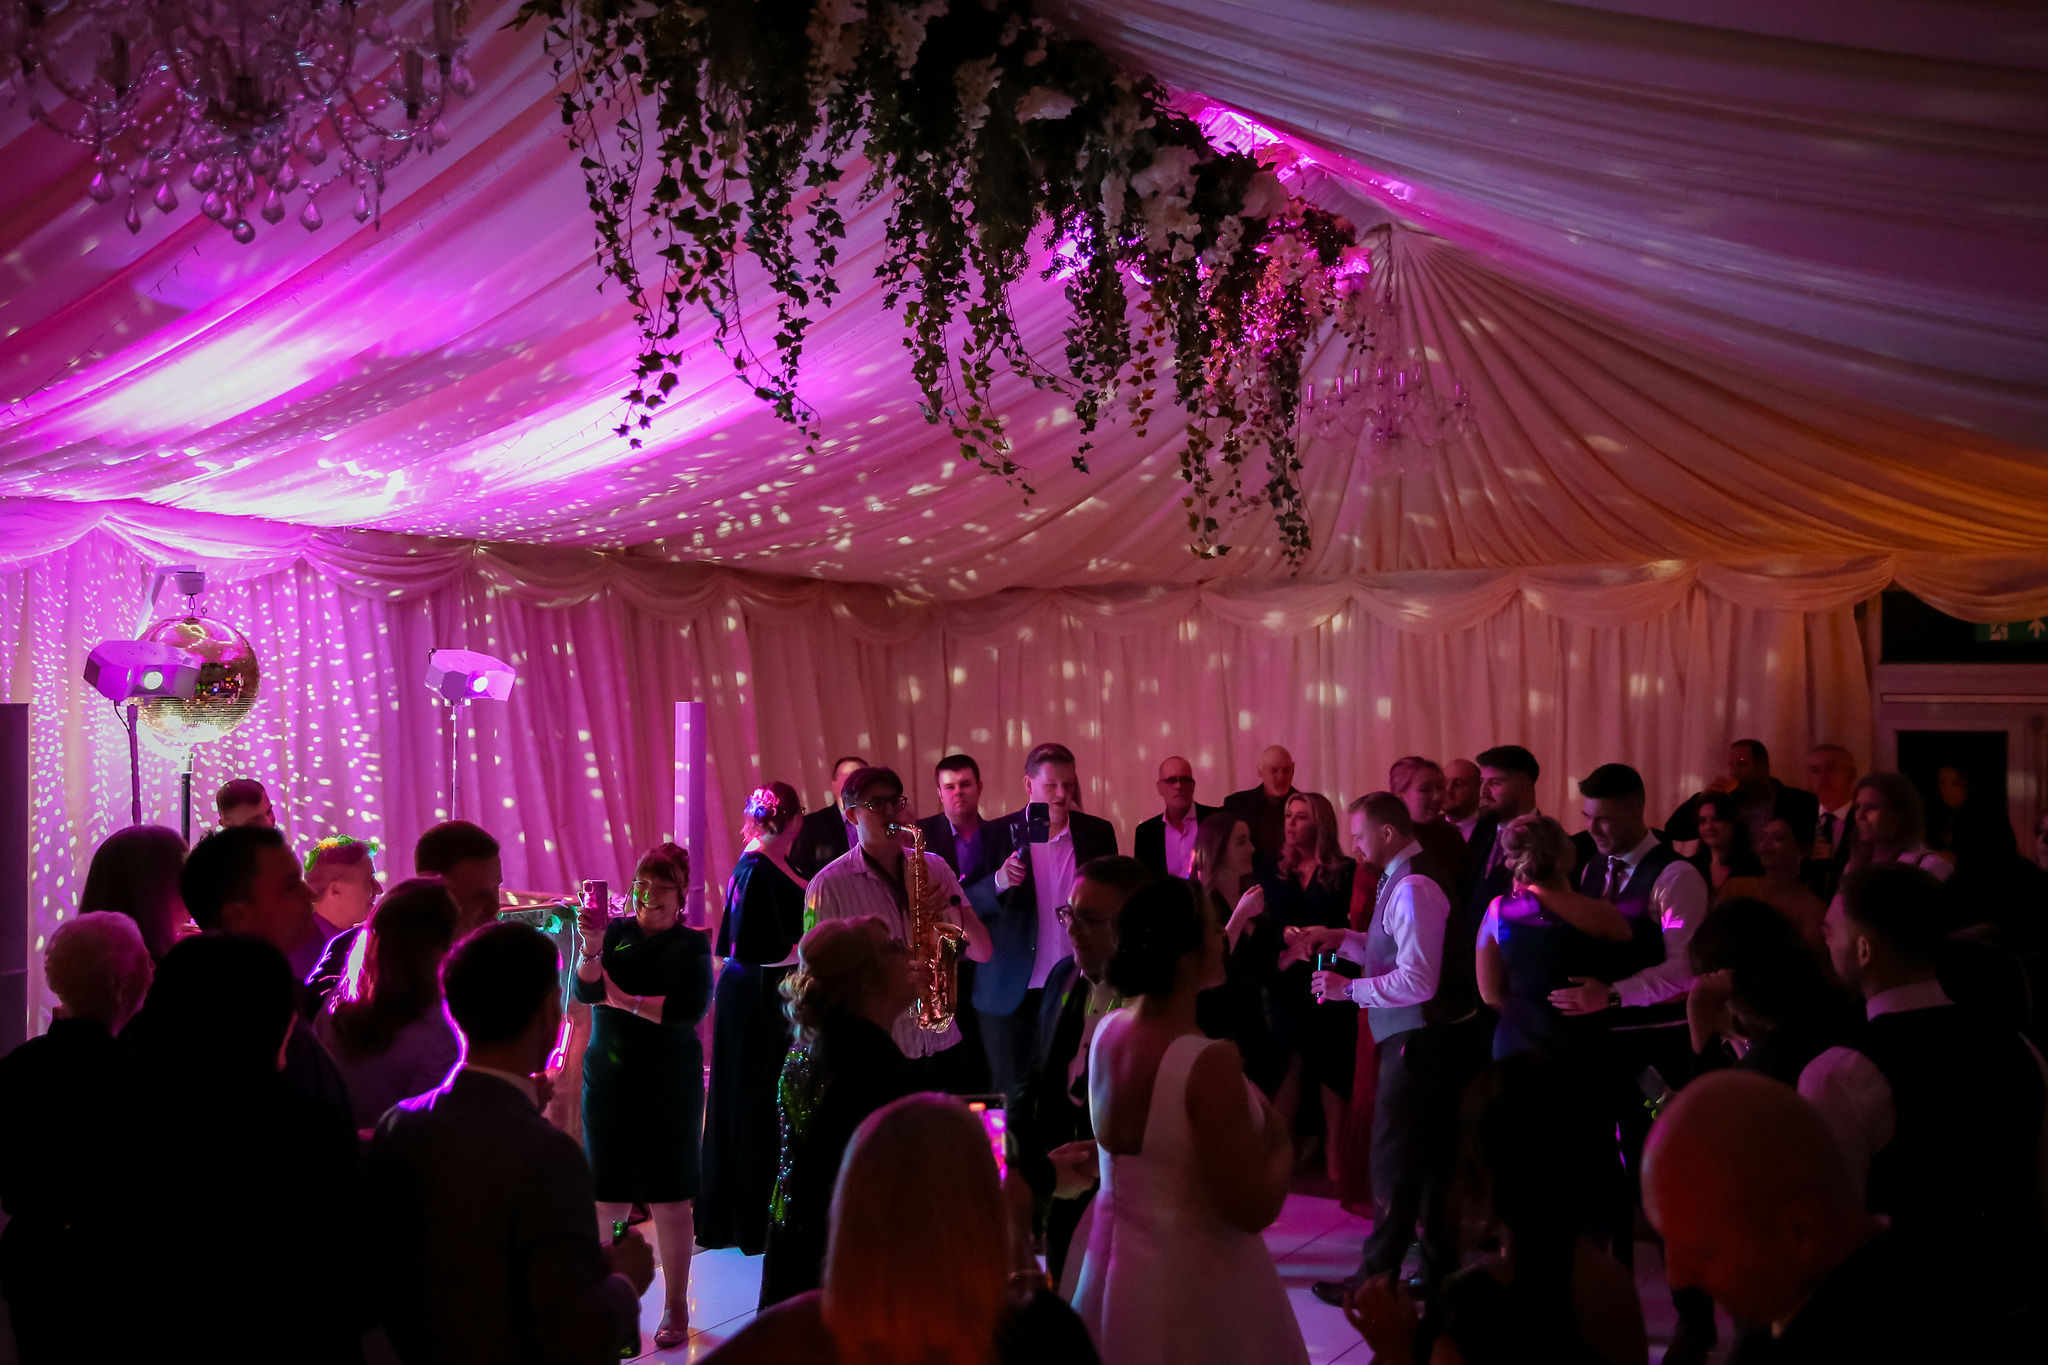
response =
{"points": [[1461, 789], [1276, 771], [1748, 1186], [1176, 787]]}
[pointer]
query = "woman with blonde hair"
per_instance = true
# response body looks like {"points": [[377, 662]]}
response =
{"points": [[1530, 947], [853, 980], [1315, 1046], [904, 1285], [1891, 826], [750, 1036]]}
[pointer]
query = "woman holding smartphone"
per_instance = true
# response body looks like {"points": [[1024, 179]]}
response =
{"points": [[648, 977]]}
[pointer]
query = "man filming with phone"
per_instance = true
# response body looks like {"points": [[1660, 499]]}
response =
{"points": [[1037, 851]]}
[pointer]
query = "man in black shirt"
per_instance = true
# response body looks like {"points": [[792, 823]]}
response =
{"points": [[824, 834]]}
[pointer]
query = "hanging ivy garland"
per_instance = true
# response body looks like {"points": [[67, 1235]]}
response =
{"points": [[727, 129]]}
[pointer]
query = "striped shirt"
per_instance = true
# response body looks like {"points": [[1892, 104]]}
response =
{"points": [[849, 887]]}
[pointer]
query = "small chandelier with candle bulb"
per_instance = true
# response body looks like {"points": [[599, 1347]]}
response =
{"points": [[249, 104]]}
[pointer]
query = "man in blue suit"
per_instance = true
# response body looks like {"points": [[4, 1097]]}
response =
{"points": [[1032, 881]]}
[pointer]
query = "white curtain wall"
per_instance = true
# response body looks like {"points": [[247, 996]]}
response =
{"points": [[1658, 666]]}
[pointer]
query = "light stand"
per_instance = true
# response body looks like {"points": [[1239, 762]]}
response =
{"points": [[458, 676], [134, 766]]}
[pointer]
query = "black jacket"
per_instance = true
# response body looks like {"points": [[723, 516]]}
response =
{"points": [[1148, 841]]}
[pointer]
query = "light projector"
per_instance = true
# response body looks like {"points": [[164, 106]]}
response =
{"points": [[458, 675], [123, 669]]}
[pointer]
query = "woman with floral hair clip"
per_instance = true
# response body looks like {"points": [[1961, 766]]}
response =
{"points": [[750, 1032]]}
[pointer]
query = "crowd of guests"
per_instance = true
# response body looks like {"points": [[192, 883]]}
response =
{"points": [[1793, 1028]]}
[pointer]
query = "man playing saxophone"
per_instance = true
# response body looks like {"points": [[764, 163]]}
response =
{"points": [[873, 878]]}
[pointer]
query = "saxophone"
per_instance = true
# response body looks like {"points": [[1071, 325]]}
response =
{"points": [[936, 945]]}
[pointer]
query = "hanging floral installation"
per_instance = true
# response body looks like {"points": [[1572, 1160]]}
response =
{"points": [[732, 129]]}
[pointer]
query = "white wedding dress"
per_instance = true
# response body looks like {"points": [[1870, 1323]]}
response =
{"points": [[1164, 1279]]}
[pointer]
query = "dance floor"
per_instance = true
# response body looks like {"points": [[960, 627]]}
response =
{"points": [[1314, 1239]]}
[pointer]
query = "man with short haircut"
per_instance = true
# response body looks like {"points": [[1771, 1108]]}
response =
{"points": [[1033, 881], [1420, 784], [871, 879], [1832, 770], [1943, 1108], [1461, 795], [242, 801], [1764, 798], [1507, 790], [1264, 808], [1748, 1188], [1422, 1008], [958, 833], [344, 886], [244, 880], [1663, 898], [466, 857], [1166, 842], [65, 1141], [1048, 1111], [485, 1211], [824, 835]]}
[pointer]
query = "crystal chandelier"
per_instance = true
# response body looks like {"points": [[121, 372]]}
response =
{"points": [[1391, 396], [247, 101]]}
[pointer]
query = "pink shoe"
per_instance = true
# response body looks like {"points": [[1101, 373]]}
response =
{"points": [[674, 1329]]}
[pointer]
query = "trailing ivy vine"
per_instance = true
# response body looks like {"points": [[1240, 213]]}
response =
{"points": [[731, 130]]}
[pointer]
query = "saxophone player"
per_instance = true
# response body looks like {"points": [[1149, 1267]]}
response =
{"points": [[871, 878]]}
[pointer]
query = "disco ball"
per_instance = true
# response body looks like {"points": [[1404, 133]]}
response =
{"points": [[228, 679]]}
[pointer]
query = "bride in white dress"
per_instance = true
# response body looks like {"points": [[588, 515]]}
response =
{"points": [[1194, 1162]]}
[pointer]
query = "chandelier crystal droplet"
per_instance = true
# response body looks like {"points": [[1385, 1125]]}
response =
{"points": [[247, 101]]}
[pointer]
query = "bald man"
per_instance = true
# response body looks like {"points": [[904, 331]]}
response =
{"points": [[1166, 842], [1746, 1183], [1461, 795], [1264, 807]]}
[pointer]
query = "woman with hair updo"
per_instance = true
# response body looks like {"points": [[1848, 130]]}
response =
{"points": [[1195, 1163], [903, 1286], [648, 977], [1527, 951], [750, 1036], [852, 982]]}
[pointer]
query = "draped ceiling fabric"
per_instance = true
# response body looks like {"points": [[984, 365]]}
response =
{"points": [[1750, 299]]}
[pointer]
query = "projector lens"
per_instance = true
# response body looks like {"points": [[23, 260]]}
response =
{"points": [[480, 684], [153, 679]]}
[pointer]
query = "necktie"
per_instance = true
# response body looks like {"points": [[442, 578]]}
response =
{"points": [[1827, 827], [1493, 855], [1617, 877]]}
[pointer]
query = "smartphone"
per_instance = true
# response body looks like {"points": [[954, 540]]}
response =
{"points": [[995, 1124], [1037, 823], [618, 1231]]}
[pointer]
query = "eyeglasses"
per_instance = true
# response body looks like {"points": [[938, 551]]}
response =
{"points": [[1069, 917], [884, 805]]}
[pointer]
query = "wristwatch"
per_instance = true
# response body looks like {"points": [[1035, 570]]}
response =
{"points": [[1613, 998]]}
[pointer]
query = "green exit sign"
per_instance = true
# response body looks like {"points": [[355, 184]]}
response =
{"points": [[2014, 632]]}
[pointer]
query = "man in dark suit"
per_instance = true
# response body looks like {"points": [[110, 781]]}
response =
{"points": [[1832, 770], [1049, 1108], [1032, 881], [824, 835], [962, 839], [1264, 808], [1764, 798], [1507, 791], [488, 1220], [1166, 842]]}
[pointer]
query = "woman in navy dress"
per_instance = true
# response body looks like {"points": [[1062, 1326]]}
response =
{"points": [[750, 1029], [648, 976], [1541, 934]]}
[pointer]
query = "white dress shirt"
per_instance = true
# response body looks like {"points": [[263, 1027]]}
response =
{"points": [[1414, 912], [1052, 881], [1841, 816], [1855, 1098], [849, 887], [1180, 843], [1679, 901]]}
